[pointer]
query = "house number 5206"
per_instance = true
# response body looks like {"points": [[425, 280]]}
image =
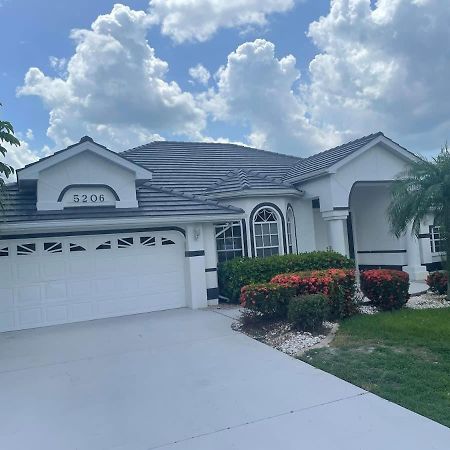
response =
{"points": [[88, 198]]}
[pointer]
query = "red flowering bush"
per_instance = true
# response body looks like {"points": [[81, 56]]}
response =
{"points": [[268, 300], [438, 282], [387, 289], [339, 285]]}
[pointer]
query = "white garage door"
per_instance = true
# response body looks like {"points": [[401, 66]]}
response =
{"points": [[49, 281]]}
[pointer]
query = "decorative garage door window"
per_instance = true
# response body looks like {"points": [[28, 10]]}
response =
{"points": [[4, 251], [76, 196], [53, 247], [26, 249], [105, 246], [148, 241], [266, 232], [76, 248], [125, 242], [165, 241], [229, 240]]}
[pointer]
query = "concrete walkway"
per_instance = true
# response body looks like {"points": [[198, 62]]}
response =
{"points": [[183, 380]]}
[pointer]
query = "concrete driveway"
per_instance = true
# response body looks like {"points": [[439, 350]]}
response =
{"points": [[183, 379]]}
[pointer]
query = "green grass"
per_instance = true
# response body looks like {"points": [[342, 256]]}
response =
{"points": [[402, 356]]}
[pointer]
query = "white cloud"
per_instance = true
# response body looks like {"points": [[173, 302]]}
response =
{"points": [[29, 134], [18, 157], [199, 20], [116, 88], [257, 88], [200, 74], [383, 67], [59, 65]]}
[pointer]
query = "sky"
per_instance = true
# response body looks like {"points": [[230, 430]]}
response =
{"points": [[292, 76]]}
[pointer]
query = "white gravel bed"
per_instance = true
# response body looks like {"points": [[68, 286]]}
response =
{"points": [[428, 301], [367, 309], [282, 337]]}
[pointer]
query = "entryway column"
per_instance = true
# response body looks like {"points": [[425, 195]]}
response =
{"points": [[195, 267], [414, 267], [337, 230]]}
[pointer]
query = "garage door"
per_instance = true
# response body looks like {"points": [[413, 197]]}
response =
{"points": [[69, 279]]}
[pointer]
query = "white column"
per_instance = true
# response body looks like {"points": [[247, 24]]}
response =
{"points": [[414, 267], [337, 230], [195, 267]]}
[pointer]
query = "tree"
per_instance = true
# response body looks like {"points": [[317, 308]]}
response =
{"points": [[6, 136], [423, 189]]}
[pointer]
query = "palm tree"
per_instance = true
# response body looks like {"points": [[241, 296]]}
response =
{"points": [[6, 135], [423, 189]]}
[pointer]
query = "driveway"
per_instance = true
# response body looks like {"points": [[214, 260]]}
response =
{"points": [[181, 380]]}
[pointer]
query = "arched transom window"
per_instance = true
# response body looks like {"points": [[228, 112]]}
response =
{"points": [[290, 228], [266, 230]]}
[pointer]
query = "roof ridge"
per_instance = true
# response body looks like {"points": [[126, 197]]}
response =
{"points": [[371, 136], [240, 146]]}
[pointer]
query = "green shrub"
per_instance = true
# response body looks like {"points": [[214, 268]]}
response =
{"points": [[386, 289], [269, 301], [438, 282], [339, 285], [239, 272], [308, 312]]}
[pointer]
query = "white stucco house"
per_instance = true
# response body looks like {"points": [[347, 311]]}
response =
{"points": [[88, 233]]}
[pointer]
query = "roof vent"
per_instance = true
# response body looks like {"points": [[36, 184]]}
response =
{"points": [[86, 139]]}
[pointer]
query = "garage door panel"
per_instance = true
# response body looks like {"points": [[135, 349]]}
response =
{"points": [[28, 295], [30, 317], [55, 291], [54, 268], [56, 314], [68, 279], [27, 271]]}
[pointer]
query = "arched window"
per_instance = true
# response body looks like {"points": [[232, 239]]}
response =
{"points": [[290, 230], [266, 231]]}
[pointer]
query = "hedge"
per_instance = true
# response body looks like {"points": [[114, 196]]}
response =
{"points": [[269, 300], [239, 272], [339, 285], [386, 289], [308, 312], [438, 282]]}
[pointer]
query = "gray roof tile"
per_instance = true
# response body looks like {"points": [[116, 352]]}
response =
{"points": [[327, 158], [20, 206], [193, 166]]}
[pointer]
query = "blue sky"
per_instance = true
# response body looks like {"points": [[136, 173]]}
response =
{"points": [[290, 81]]}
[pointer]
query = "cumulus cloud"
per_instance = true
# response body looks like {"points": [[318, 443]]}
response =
{"points": [[116, 88], [383, 66], [199, 20], [257, 88], [18, 157], [200, 74]]}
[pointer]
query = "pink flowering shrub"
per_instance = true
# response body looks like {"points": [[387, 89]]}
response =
{"points": [[267, 299], [338, 285], [387, 289]]}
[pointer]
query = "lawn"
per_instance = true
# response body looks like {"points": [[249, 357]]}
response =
{"points": [[402, 356]]}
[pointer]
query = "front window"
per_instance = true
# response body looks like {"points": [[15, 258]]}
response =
{"points": [[436, 239], [228, 241], [290, 226], [266, 233]]}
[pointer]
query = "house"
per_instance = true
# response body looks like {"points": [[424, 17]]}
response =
{"points": [[88, 233]]}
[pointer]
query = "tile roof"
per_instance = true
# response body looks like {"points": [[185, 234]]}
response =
{"points": [[327, 158], [240, 180], [20, 206], [194, 166]]}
